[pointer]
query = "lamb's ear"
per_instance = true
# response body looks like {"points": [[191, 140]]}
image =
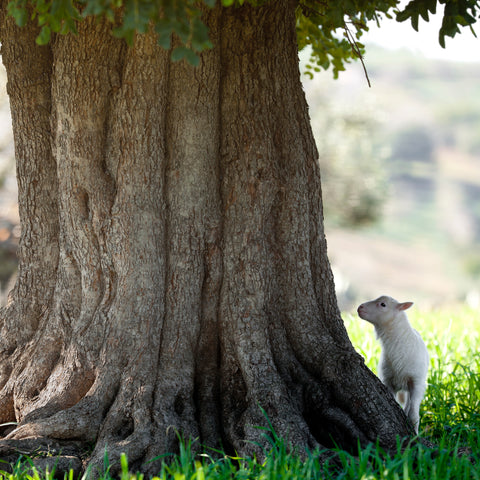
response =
{"points": [[404, 305]]}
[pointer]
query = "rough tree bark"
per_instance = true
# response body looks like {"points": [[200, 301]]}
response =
{"points": [[173, 266]]}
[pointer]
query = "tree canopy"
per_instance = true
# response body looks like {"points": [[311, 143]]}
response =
{"points": [[333, 28]]}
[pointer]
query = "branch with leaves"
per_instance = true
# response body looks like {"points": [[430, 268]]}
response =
{"points": [[456, 14], [333, 29]]}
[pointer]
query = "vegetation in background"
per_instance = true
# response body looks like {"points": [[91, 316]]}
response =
{"points": [[408, 164], [396, 133], [355, 185]]}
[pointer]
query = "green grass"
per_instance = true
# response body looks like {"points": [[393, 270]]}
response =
{"points": [[450, 418]]}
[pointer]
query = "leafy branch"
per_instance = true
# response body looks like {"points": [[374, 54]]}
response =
{"points": [[456, 14], [324, 26], [332, 28]]}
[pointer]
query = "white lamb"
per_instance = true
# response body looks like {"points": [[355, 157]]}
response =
{"points": [[403, 364]]}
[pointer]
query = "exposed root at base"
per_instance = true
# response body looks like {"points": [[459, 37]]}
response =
{"points": [[44, 453]]}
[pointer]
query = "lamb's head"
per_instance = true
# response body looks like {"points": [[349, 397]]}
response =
{"points": [[382, 311]]}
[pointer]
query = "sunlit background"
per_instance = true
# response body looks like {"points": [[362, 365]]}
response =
{"points": [[400, 168]]}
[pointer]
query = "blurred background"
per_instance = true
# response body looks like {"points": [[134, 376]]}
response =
{"points": [[400, 166]]}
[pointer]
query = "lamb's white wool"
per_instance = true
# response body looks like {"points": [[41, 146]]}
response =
{"points": [[403, 364]]}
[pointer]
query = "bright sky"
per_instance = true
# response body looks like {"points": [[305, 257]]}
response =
{"points": [[394, 35]]}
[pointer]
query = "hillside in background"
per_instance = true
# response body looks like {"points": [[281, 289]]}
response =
{"points": [[401, 170], [401, 178]]}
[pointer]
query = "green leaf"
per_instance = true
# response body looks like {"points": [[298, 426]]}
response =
{"points": [[165, 40], [200, 40], [424, 14], [415, 22], [128, 34], [403, 16], [42, 6], [20, 16], [44, 35], [441, 39], [192, 58], [182, 52], [431, 6]]}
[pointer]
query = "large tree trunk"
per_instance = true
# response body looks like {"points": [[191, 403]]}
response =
{"points": [[173, 266]]}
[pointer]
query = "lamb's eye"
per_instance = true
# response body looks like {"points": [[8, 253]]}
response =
{"points": [[383, 305]]}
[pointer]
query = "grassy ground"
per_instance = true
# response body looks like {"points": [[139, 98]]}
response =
{"points": [[450, 419]]}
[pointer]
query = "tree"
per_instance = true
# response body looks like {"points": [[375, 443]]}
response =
{"points": [[173, 271]]}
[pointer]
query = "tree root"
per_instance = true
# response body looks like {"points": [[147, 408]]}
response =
{"points": [[44, 454]]}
